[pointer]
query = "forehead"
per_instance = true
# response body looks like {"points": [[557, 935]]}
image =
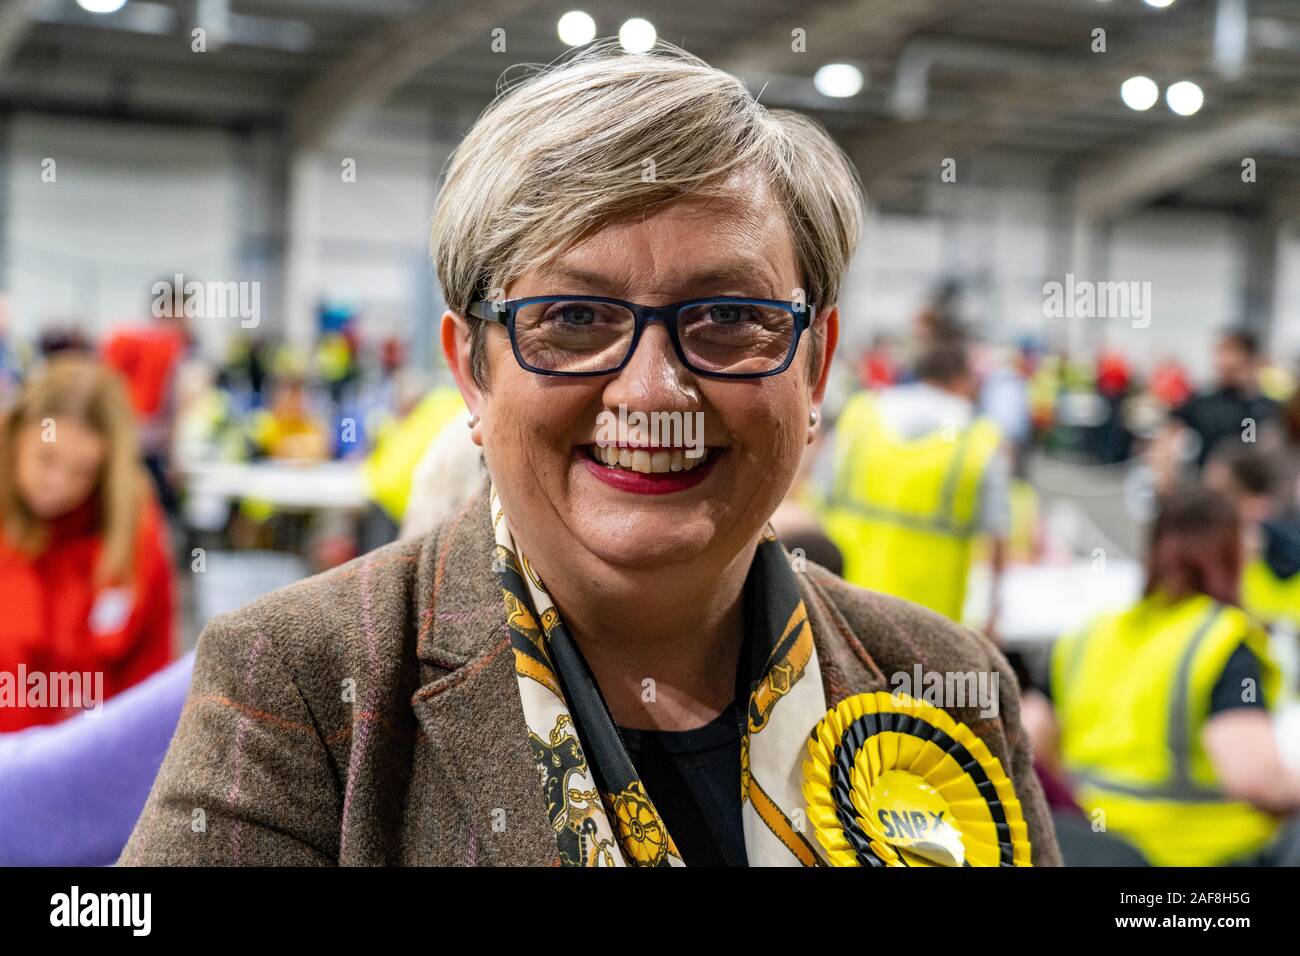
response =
{"points": [[70, 435], [734, 238]]}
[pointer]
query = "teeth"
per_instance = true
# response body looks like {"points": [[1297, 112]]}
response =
{"points": [[646, 461]]}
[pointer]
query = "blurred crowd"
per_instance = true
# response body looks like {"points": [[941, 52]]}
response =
{"points": [[1162, 731], [1165, 732]]}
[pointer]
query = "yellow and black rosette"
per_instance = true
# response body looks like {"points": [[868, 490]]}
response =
{"points": [[894, 781]]}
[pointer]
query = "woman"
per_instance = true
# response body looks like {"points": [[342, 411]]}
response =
{"points": [[651, 702], [84, 577], [1163, 711]]}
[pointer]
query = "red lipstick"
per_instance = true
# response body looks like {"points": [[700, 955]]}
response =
{"points": [[642, 483]]}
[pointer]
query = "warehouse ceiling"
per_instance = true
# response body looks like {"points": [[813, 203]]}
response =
{"points": [[944, 78]]}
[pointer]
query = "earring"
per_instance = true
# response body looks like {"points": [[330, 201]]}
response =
{"points": [[812, 418], [473, 420]]}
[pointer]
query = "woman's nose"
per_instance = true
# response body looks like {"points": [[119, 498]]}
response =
{"points": [[654, 377]]}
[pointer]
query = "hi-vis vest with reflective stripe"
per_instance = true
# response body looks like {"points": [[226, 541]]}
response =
{"points": [[1272, 599], [903, 512], [1132, 694]]}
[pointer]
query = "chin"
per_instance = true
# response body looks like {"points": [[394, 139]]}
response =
{"points": [[646, 540], [48, 512]]}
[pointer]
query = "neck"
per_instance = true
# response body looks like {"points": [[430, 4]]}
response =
{"points": [[663, 645], [81, 520]]}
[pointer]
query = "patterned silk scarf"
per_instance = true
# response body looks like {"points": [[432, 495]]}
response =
{"points": [[598, 807]]}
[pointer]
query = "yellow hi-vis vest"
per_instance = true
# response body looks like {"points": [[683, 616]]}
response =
{"points": [[390, 467], [1132, 694], [1272, 599], [903, 512]]}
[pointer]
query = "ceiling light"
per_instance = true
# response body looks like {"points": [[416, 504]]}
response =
{"points": [[637, 35], [101, 6], [576, 28], [1184, 97], [1139, 93], [838, 80]]}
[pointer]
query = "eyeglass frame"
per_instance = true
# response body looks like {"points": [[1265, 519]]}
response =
{"points": [[504, 312]]}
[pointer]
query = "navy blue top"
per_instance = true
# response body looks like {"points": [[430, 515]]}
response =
{"points": [[693, 778]]}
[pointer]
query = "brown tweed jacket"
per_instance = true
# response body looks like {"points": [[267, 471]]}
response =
{"points": [[370, 715]]}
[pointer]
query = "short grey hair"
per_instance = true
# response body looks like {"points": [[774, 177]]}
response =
{"points": [[561, 154]]}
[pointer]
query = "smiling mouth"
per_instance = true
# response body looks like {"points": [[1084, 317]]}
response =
{"points": [[647, 461]]}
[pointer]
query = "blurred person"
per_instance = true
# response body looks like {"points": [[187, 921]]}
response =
{"points": [[244, 370], [392, 357], [390, 468], [337, 351], [383, 398], [1113, 374], [1235, 407], [1276, 380], [288, 428], [919, 474], [939, 320], [876, 368], [84, 578], [797, 519], [59, 339], [208, 426], [448, 474], [1287, 454], [1164, 711], [1110, 440], [1270, 587], [146, 356], [1004, 398], [1046, 386], [1170, 383], [500, 660]]}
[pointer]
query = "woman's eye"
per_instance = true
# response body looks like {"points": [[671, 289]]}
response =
{"points": [[726, 314], [574, 315]]}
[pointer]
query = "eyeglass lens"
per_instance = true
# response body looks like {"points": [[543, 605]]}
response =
{"points": [[724, 337]]}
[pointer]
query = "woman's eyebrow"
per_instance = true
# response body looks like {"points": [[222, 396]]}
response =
{"points": [[741, 273], [745, 273], [587, 279]]}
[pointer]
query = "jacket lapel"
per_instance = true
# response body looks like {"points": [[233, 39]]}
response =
{"points": [[847, 666], [468, 704]]}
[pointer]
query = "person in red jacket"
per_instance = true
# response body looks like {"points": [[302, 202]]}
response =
{"points": [[85, 586], [147, 356]]}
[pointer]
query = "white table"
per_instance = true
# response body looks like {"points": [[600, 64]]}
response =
{"points": [[1043, 602], [320, 486]]}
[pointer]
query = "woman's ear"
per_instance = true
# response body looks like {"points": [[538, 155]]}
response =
{"points": [[830, 321], [457, 348]]}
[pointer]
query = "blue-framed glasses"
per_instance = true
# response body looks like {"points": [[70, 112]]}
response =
{"points": [[722, 337]]}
